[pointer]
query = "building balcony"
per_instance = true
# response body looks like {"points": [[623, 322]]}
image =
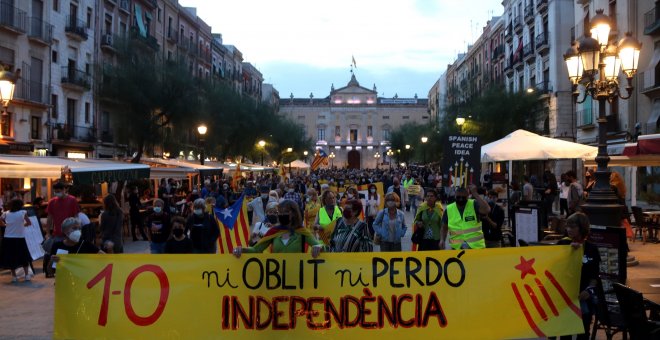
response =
{"points": [[40, 31], [498, 52], [172, 36], [529, 15], [108, 42], [144, 38], [75, 28], [652, 22], [528, 51], [543, 88], [151, 3], [75, 79], [508, 33], [70, 132], [12, 19], [518, 60], [125, 5], [542, 6], [541, 42], [111, 2], [517, 24], [508, 65], [32, 91]]}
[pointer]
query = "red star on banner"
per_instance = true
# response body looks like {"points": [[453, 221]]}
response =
{"points": [[525, 267]]}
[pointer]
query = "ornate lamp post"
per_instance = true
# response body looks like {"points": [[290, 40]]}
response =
{"points": [[460, 121], [594, 63], [332, 159], [262, 145], [424, 139], [377, 157], [7, 86], [305, 153], [389, 154], [202, 132]]}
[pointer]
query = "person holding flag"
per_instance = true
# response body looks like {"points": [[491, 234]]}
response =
{"points": [[321, 158], [327, 216], [289, 236]]}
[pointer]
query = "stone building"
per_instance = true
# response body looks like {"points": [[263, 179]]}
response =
{"points": [[353, 123]]}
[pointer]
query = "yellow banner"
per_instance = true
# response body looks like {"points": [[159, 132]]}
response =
{"points": [[476, 294]]}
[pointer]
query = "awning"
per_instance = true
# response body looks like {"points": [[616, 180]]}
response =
{"points": [[84, 171], [646, 145], [192, 168], [643, 160]]}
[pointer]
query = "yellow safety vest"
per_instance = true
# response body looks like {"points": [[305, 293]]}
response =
{"points": [[324, 219], [466, 228], [407, 182]]}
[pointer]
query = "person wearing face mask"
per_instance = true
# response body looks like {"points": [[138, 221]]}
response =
{"points": [[261, 228], [203, 229], [390, 225], [70, 244], [258, 205], [373, 205], [328, 213], [461, 221], [159, 226], [492, 223], [312, 207], [289, 236], [292, 195], [351, 235], [400, 191], [179, 243], [60, 207], [428, 217]]}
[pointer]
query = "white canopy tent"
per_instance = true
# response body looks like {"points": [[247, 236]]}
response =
{"points": [[522, 145], [298, 164]]}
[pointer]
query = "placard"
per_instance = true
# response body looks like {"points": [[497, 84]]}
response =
{"points": [[462, 160]]}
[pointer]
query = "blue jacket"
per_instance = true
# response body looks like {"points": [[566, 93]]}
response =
{"points": [[382, 225]]}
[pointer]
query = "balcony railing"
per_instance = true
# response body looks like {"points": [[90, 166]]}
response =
{"points": [[148, 40], [543, 87], [528, 49], [12, 17], [172, 36], [125, 5], [76, 77], [41, 30], [529, 14], [76, 27], [541, 5], [78, 133], [541, 41], [107, 40], [652, 22], [152, 3], [517, 23], [32, 91], [508, 32]]}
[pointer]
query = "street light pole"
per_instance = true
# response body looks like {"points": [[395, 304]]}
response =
{"points": [[595, 64], [377, 157], [202, 131], [424, 140], [262, 144], [332, 159]]}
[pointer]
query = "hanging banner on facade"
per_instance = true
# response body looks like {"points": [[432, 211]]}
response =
{"points": [[475, 294], [462, 161]]}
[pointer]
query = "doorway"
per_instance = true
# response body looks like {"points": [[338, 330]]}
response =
{"points": [[353, 159]]}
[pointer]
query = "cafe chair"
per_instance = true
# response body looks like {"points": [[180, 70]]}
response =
{"points": [[640, 225], [634, 314], [608, 317]]}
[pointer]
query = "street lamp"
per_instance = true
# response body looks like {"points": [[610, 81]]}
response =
{"points": [[202, 131], [595, 62], [7, 86], [289, 150], [390, 153], [305, 153], [460, 121], [332, 159], [262, 144], [377, 157], [424, 140]]}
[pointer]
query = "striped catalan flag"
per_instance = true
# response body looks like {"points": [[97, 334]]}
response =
{"points": [[321, 158], [234, 226]]}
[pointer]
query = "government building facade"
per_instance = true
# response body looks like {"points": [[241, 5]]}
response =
{"points": [[353, 124]]}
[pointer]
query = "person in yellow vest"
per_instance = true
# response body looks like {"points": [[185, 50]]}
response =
{"points": [[428, 217], [407, 181], [328, 214], [461, 221]]}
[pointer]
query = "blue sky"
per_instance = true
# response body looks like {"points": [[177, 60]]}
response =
{"points": [[304, 46]]}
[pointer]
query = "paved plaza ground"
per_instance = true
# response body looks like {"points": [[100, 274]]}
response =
{"points": [[26, 308]]}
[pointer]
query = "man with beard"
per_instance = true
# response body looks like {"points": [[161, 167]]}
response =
{"points": [[461, 220]]}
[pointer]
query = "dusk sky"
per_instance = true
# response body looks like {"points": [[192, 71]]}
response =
{"points": [[304, 46]]}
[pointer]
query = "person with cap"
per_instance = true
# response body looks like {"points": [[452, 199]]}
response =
{"points": [[461, 221], [258, 205]]}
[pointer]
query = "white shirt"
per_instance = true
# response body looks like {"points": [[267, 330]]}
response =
{"points": [[15, 223]]}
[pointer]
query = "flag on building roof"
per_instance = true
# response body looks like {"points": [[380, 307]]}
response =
{"points": [[234, 226], [321, 158]]}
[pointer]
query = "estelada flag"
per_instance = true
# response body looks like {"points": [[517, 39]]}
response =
{"points": [[234, 226], [326, 232], [321, 158], [237, 177]]}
